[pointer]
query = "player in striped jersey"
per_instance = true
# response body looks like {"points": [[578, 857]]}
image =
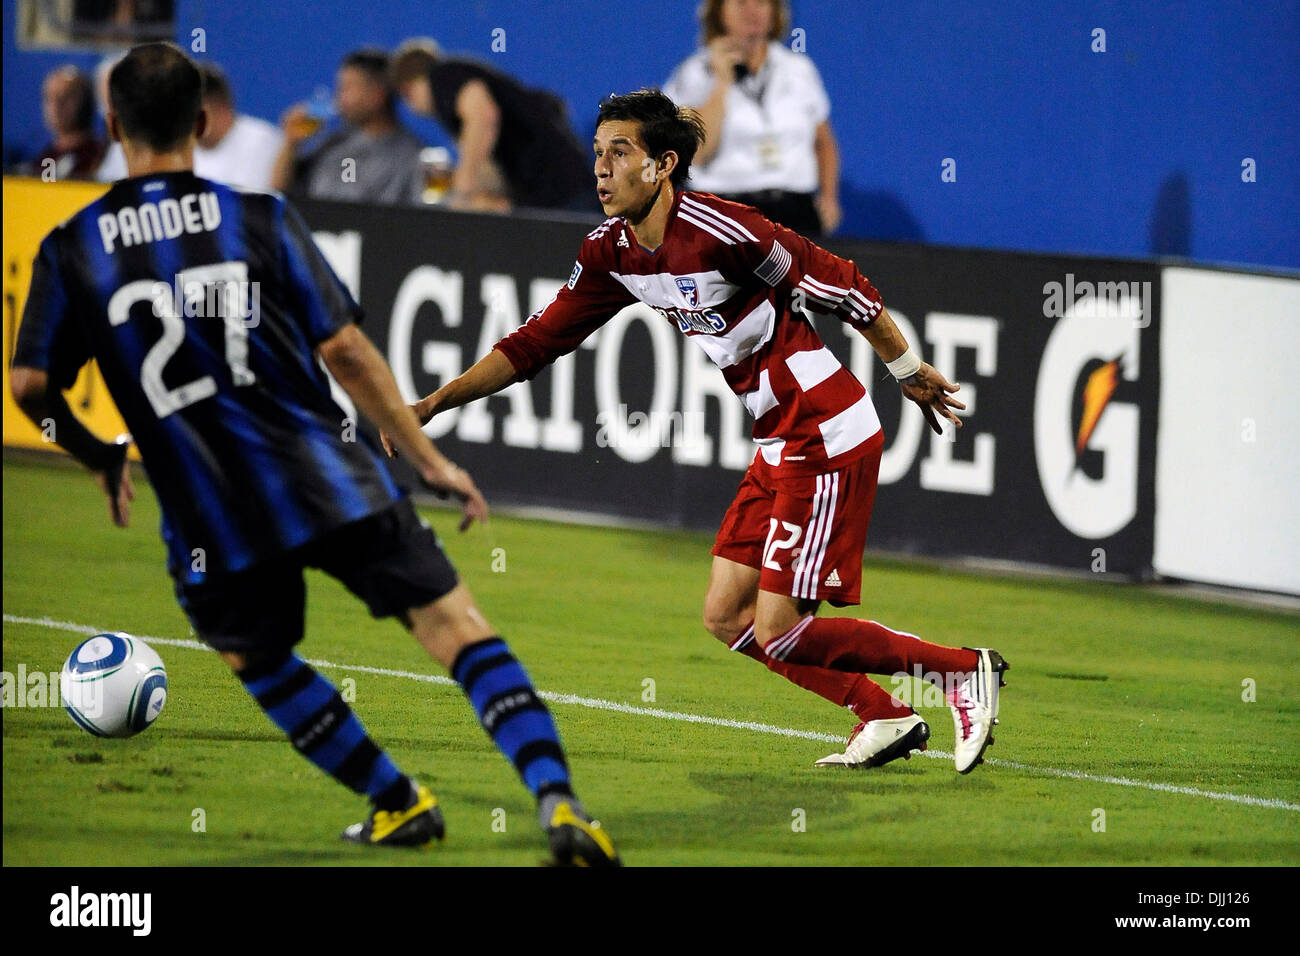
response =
{"points": [[737, 285], [207, 310]]}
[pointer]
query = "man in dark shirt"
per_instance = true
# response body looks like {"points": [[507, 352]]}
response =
{"points": [[512, 142], [371, 157], [207, 309]]}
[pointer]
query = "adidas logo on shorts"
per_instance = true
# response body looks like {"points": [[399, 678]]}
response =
{"points": [[833, 579]]}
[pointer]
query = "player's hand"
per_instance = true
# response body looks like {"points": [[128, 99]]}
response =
{"points": [[724, 57], [389, 448], [449, 479], [386, 440], [115, 482], [931, 391]]}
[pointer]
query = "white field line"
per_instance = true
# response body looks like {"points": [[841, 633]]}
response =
{"points": [[599, 704]]}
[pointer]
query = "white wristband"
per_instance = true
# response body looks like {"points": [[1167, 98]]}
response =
{"points": [[905, 366]]}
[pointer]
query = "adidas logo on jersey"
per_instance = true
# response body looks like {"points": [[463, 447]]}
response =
{"points": [[622, 241], [833, 579]]}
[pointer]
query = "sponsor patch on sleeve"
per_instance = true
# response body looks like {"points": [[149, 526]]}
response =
{"points": [[573, 276]]}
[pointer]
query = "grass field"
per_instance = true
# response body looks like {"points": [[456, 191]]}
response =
{"points": [[1107, 682]]}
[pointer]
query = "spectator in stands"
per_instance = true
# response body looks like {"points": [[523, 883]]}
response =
{"points": [[68, 108], [113, 166], [234, 148], [770, 143], [373, 158], [514, 145]]}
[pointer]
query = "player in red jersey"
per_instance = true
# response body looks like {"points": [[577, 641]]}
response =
{"points": [[736, 284]]}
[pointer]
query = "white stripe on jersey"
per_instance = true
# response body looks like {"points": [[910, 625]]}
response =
{"points": [[819, 297], [771, 449], [602, 228], [660, 290], [825, 287], [712, 230], [728, 224], [855, 310], [762, 399], [850, 428], [873, 308], [741, 340], [835, 296], [812, 368]]}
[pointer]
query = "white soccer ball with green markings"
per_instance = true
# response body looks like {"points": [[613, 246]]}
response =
{"points": [[113, 685]]}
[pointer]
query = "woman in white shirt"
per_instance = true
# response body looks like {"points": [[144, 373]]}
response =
{"points": [[770, 143]]}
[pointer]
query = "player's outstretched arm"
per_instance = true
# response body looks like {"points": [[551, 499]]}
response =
{"points": [[920, 382], [362, 372], [107, 460], [485, 377]]}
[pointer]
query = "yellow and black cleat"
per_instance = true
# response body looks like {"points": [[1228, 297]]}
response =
{"points": [[416, 826], [577, 841]]}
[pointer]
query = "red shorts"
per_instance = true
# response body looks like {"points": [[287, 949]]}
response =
{"points": [[805, 534]]}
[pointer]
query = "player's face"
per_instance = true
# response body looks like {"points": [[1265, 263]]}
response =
{"points": [[625, 172]]}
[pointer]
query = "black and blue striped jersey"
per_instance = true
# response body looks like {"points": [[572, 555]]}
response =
{"points": [[203, 306]]}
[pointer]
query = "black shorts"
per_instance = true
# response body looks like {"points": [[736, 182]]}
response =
{"points": [[391, 560]]}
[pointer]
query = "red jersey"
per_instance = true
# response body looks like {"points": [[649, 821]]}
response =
{"points": [[733, 282]]}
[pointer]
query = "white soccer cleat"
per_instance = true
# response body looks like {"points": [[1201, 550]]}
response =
{"points": [[877, 742], [974, 704]]}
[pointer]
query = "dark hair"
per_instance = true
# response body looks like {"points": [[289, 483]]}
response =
{"points": [[711, 20], [413, 60], [373, 62], [84, 91], [664, 126], [215, 85], [156, 92]]}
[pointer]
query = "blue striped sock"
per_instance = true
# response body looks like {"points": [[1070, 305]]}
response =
{"points": [[323, 728], [513, 715]]}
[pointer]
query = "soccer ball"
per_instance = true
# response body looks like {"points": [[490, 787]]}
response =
{"points": [[113, 685]]}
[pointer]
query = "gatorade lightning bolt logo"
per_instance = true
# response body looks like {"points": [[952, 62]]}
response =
{"points": [[1097, 393]]}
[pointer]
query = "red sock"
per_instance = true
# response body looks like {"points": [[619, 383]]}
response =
{"points": [[867, 699], [847, 644]]}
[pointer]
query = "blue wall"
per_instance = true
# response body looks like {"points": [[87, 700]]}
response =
{"points": [[1133, 152]]}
